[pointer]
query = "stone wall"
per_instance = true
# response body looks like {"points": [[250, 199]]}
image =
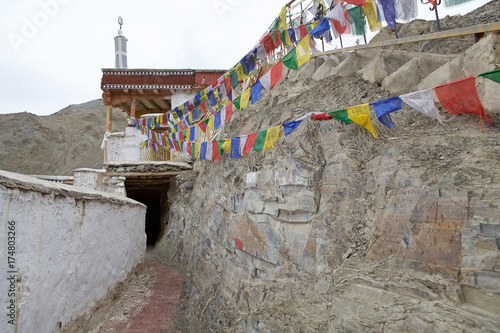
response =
{"points": [[73, 251]]}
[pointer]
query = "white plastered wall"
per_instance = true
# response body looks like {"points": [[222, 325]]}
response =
{"points": [[72, 247]]}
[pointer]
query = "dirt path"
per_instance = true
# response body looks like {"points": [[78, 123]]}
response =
{"points": [[153, 303]]}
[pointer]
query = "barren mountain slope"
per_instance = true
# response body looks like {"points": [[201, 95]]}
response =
{"points": [[55, 144]]}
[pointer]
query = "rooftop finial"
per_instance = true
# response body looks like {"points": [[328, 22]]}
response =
{"points": [[120, 22]]}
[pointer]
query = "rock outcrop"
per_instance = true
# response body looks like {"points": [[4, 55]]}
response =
{"points": [[334, 231]]}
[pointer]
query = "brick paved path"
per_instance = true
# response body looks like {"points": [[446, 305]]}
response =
{"points": [[153, 303]]}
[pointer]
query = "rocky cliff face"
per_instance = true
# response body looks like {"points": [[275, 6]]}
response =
{"points": [[334, 231]]}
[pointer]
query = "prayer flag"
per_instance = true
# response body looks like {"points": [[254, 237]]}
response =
{"points": [[208, 155], [265, 81], [268, 43], [197, 146], [282, 17], [371, 16], [219, 144], [303, 31], [237, 102], [215, 151], [422, 102], [272, 136], [321, 28], [229, 111], [217, 120], [389, 9], [290, 60], [321, 116], [340, 115], [203, 151], [248, 63], [241, 73], [290, 126], [337, 14], [234, 79], [211, 123], [384, 108], [493, 75], [256, 92], [276, 74], [228, 84], [284, 37], [357, 19], [360, 114], [291, 35], [201, 125], [245, 97], [188, 149], [235, 147], [304, 50], [243, 141], [276, 37], [227, 145], [260, 140], [250, 143], [461, 97], [406, 9]]}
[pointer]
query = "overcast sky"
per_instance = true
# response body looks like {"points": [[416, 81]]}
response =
{"points": [[52, 51]]}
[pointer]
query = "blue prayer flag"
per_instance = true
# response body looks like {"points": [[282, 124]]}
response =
{"points": [[389, 10], [290, 126], [217, 121], [248, 63], [322, 27], [384, 107], [256, 92], [192, 134], [203, 150], [235, 147]]}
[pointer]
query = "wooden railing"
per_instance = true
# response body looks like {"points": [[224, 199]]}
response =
{"points": [[162, 154]]}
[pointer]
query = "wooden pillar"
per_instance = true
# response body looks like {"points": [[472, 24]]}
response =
{"points": [[132, 109], [109, 119]]}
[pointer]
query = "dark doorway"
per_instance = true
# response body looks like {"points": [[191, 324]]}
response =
{"points": [[152, 199]]}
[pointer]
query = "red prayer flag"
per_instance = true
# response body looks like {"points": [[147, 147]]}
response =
{"points": [[203, 107], [202, 126], [215, 151], [303, 31], [249, 143], [190, 107], [181, 136], [277, 39], [356, 2], [268, 43], [229, 111], [342, 29], [461, 97], [321, 116], [188, 148], [228, 84], [276, 73]]}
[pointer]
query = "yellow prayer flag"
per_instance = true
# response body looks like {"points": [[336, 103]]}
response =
{"points": [[216, 94], [143, 144], [314, 24], [226, 101], [360, 114], [303, 51], [272, 136], [245, 97], [227, 145], [211, 121], [181, 107], [241, 74], [186, 137], [282, 25], [287, 37], [191, 118], [371, 16], [197, 150]]}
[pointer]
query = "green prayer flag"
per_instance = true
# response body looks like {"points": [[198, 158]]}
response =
{"points": [[260, 140], [237, 101], [493, 75], [234, 79], [193, 149], [283, 36], [290, 60], [449, 3], [357, 19], [221, 151], [275, 24], [340, 115], [309, 27]]}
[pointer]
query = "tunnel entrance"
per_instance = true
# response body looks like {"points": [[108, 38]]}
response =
{"points": [[154, 196]]}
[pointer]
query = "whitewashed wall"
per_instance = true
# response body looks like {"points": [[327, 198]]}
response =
{"points": [[72, 246], [180, 97], [125, 146]]}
